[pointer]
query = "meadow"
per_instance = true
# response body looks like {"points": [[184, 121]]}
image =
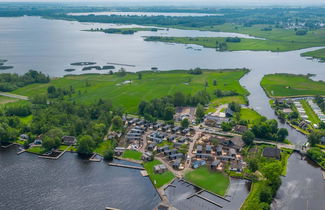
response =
{"points": [[317, 54], [250, 115], [290, 85], [157, 179], [89, 88], [208, 180]]}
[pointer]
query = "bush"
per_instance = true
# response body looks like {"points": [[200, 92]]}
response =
{"points": [[109, 154]]}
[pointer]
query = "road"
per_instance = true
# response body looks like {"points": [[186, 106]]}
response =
{"points": [[10, 95], [282, 145]]}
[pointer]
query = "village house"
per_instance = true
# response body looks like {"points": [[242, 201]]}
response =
{"points": [[215, 121], [215, 164], [119, 150], [219, 150], [163, 148], [177, 163], [236, 166], [69, 140], [272, 152], [240, 129], [159, 169], [170, 151], [147, 156], [208, 149], [175, 156], [232, 152], [152, 146], [198, 163], [204, 156], [199, 149]]}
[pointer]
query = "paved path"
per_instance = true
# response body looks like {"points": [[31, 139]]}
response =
{"points": [[10, 95], [282, 145]]}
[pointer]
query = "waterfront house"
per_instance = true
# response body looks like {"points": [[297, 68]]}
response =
{"points": [[147, 156], [229, 112], [69, 140], [119, 150], [24, 137], [159, 169], [272, 152], [38, 141]]}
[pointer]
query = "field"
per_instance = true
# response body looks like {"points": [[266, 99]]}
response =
{"points": [[90, 88], [249, 115], [5, 100], [158, 179], [36, 150], [277, 40], [283, 85], [318, 54], [131, 154], [211, 181], [253, 197]]}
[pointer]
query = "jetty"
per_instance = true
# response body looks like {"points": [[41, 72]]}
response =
{"points": [[54, 158], [126, 166], [94, 159], [21, 151], [121, 64], [323, 174], [111, 208]]}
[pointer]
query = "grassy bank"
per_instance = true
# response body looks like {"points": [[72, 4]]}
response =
{"points": [[289, 85], [317, 54], [103, 147], [89, 88], [310, 112], [157, 179], [211, 181], [131, 154], [250, 115]]}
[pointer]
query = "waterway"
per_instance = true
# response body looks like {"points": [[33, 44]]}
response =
{"points": [[51, 45], [28, 182]]}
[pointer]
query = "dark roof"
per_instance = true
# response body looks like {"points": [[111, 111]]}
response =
{"points": [[240, 128], [271, 152], [199, 147], [237, 141], [215, 163]]}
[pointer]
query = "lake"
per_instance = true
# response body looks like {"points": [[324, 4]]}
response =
{"points": [[51, 45]]}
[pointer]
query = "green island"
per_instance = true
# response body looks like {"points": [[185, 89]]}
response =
{"points": [[290, 85], [211, 181], [316, 54], [91, 87], [122, 30]]}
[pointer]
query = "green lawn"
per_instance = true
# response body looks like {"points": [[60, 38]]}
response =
{"points": [[318, 54], [36, 150], [27, 120], [253, 199], [64, 147], [158, 179], [282, 85], [208, 180], [103, 147], [250, 115], [131, 154], [228, 99], [5, 100], [310, 112], [21, 142], [152, 85]]}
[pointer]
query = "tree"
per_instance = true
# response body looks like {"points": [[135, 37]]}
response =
{"points": [[253, 165], [226, 126], [314, 138], [214, 82], [179, 99], [52, 138], [185, 123], [248, 137], [139, 75], [199, 112], [109, 154], [272, 171], [282, 134], [266, 195], [169, 112], [86, 145], [117, 123]]}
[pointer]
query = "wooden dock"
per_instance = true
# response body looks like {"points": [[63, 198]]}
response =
{"points": [[21, 151], [126, 166], [93, 159], [323, 174], [57, 157], [144, 173], [204, 198], [111, 208]]}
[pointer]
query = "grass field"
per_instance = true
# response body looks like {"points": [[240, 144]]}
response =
{"points": [[152, 85], [103, 147], [253, 198], [27, 120], [5, 100], [36, 150], [131, 154], [157, 179], [318, 54], [310, 112], [282, 85], [249, 115], [211, 181]]}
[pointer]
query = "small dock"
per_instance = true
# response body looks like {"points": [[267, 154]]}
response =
{"points": [[94, 159], [323, 172], [126, 166], [204, 198], [111, 208], [144, 173], [21, 151], [54, 158]]}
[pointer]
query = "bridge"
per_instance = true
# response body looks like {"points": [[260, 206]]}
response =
{"points": [[297, 148]]}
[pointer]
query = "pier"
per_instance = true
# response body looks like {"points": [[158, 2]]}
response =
{"points": [[126, 166], [54, 158]]}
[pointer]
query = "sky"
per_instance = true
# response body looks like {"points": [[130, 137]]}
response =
{"points": [[191, 2]]}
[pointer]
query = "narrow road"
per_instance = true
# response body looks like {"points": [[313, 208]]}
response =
{"points": [[10, 95], [282, 145]]}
